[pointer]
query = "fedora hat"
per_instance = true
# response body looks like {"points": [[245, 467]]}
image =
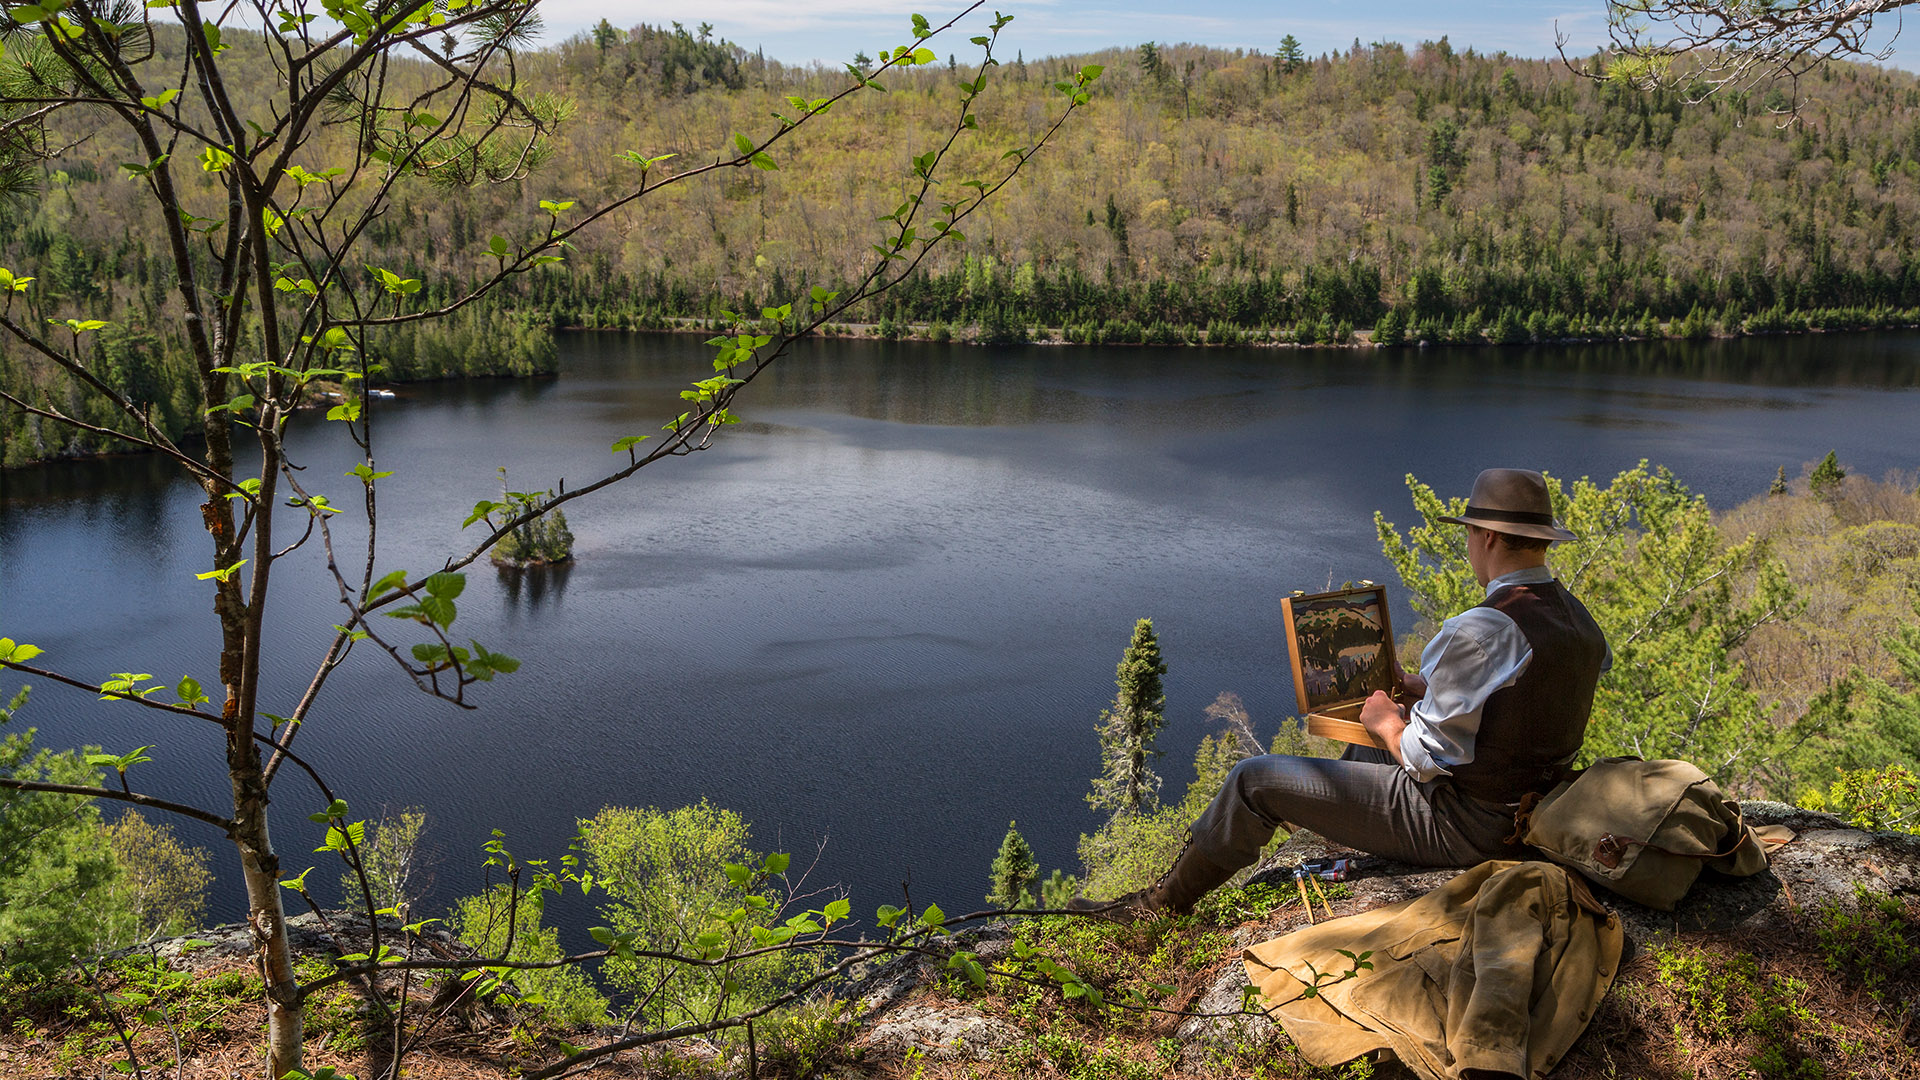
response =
{"points": [[1512, 501]]}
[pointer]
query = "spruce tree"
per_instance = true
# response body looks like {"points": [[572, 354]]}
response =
{"points": [[1058, 888], [1779, 486], [1010, 881], [1127, 782], [1826, 476]]}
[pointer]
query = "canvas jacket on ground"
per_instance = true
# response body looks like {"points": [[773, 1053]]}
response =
{"points": [[1499, 969]]}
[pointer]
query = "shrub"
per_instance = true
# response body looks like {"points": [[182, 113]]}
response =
{"points": [[1882, 799], [1874, 942], [666, 877], [162, 883], [54, 871], [562, 994]]}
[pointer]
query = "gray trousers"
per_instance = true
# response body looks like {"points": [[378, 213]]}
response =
{"points": [[1362, 800]]}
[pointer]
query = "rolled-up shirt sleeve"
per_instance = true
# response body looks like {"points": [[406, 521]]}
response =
{"points": [[1474, 654]]}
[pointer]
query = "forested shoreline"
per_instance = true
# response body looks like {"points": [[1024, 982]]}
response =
{"points": [[1391, 194]]}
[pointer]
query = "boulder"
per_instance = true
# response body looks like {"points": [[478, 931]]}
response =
{"points": [[943, 1034]]}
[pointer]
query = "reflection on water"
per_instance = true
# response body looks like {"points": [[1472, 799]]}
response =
{"points": [[528, 587], [885, 610]]}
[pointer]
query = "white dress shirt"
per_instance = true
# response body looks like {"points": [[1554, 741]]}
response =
{"points": [[1475, 653]]}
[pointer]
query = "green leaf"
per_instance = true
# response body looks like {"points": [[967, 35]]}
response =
{"points": [[837, 909], [497, 246], [222, 575], [933, 916], [447, 584], [121, 762], [388, 583], [439, 609], [738, 875], [20, 653], [486, 664], [355, 834], [629, 442], [367, 475], [188, 691], [743, 144], [762, 161], [481, 509], [335, 809], [160, 100]]}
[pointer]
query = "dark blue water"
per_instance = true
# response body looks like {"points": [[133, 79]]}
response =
{"points": [[880, 618]]}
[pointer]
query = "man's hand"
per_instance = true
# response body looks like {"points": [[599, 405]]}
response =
{"points": [[1385, 721], [1414, 684]]}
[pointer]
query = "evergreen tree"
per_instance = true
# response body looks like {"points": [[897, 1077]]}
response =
{"points": [[1826, 476], [1152, 65], [1779, 485], [1010, 881], [1290, 55], [605, 36], [1059, 888], [1127, 783], [54, 868]]}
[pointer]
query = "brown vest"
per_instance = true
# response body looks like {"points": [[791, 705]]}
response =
{"points": [[1531, 730]]}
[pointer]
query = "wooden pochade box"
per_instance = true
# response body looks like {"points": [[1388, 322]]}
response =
{"points": [[1340, 645]]}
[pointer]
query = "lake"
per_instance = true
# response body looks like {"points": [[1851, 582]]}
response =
{"points": [[880, 618]]}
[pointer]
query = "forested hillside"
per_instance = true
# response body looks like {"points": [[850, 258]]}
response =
{"points": [[1431, 193]]}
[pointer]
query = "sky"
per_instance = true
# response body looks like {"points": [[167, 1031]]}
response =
{"points": [[832, 31]]}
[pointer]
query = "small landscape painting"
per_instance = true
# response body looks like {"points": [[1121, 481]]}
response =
{"points": [[1341, 645]]}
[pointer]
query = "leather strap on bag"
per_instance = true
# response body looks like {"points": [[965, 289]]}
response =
{"points": [[1610, 849], [1523, 817], [1563, 772]]}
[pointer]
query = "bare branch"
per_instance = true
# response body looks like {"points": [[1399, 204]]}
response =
{"points": [[134, 797], [1705, 46]]}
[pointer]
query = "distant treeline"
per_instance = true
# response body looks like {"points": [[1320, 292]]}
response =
{"points": [[1389, 192]]}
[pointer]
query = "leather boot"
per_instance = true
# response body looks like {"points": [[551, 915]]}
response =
{"points": [[1191, 877]]}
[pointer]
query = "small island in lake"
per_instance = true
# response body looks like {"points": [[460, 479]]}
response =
{"points": [[543, 541]]}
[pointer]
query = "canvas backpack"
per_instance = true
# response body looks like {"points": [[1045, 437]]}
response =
{"points": [[1645, 829]]}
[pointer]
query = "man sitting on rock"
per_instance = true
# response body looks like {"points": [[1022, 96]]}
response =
{"points": [[1502, 701]]}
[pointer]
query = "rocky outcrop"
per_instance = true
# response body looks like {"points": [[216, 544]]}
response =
{"points": [[1824, 864], [941, 1034], [338, 933]]}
